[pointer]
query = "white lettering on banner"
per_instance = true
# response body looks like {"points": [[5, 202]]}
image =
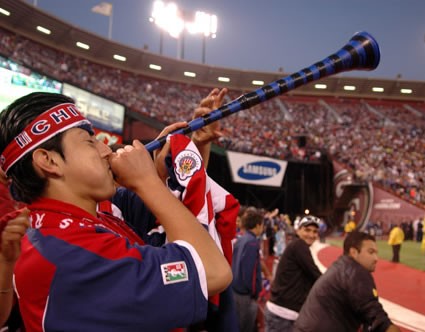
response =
{"points": [[260, 170], [386, 205]]}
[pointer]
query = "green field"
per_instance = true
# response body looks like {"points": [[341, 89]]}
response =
{"points": [[410, 253]]}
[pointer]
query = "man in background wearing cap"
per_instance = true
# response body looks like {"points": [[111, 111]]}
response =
{"points": [[345, 297], [295, 275]]}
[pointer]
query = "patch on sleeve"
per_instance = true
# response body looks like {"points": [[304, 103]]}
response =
{"points": [[375, 292], [174, 272]]}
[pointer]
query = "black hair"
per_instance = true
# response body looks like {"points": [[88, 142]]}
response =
{"points": [[251, 218], [27, 185], [355, 240]]}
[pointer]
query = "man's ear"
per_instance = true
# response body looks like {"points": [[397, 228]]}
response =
{"points": [[47, 162], [353, 252]]}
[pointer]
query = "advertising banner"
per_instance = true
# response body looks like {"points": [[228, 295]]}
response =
{"points": [[17, 81], [389, 208], [103, 114], [256, 170]]}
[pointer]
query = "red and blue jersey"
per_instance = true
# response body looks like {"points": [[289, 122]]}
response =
{"points": [[77, 272]]}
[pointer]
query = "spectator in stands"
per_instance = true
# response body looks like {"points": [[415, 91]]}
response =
{"points": [[295, 275], [66, 230], [395, 240], [345, 297], [383, 141], [246, 267]]}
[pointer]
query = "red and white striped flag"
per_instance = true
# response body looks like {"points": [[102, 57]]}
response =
{"points": [[214, 207]]}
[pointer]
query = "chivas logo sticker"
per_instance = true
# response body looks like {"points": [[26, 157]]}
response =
{"points": [[187, 163]]}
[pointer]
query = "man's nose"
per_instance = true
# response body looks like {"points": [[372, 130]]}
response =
{"points": [[104, 149]]}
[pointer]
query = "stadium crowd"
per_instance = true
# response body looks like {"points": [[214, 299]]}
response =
{"points": [[380, 141]]}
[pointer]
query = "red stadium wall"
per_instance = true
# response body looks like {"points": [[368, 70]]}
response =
{"points": [[388, 208]]}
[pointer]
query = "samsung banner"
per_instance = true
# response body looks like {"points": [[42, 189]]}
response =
{"points": [[256, 170]]}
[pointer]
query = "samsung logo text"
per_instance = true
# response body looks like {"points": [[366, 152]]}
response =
{"points": [[259, 170]]}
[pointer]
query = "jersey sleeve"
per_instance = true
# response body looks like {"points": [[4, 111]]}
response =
{"points": [[102, 283]]}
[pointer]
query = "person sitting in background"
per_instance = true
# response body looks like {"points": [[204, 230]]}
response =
{"points": [[295, 275], [345, 297]]}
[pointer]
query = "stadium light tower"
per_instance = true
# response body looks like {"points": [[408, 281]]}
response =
{"points": [[168, 17], [205, 24]]}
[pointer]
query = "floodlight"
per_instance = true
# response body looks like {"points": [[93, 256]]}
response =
{"points": [[167, 17]]}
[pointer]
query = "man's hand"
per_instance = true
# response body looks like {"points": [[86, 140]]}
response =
{"points": [[160, 154], [11, 236], [205, 135], [212, 131], [132, 166]]}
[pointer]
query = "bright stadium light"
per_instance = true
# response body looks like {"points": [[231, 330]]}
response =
{"points": [[43, 30], [168, 17], [377, 89], [204, 24], [4, 12], [82, 45]]}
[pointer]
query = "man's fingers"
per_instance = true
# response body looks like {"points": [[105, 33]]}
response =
{"points": [[218, 101], [12, 236], [172, 128], [201, 111], [137, 144], [19, 229]]}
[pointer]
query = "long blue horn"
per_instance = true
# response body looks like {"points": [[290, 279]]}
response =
{"points": [[361, 53]]}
